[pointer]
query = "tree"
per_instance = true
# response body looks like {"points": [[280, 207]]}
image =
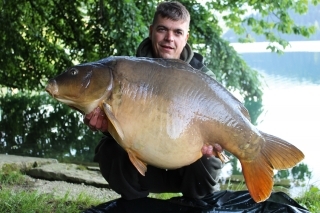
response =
{"points": [[301, 172], [43, 38], [270, 20]]}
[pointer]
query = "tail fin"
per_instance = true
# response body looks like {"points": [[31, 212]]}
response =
{"points": [[275, 154], [280, 153]]}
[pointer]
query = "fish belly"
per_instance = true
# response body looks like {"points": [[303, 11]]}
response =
{"points": [[161, 141]]}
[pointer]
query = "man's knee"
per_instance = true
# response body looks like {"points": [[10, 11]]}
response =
{"points": [[107, 148]]}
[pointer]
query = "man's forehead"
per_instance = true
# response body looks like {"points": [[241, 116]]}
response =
{"points": [[172, 24]]}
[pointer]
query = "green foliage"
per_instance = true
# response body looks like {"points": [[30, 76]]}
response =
{"points": [[43, 38], [301, 172], [268, 18], [310, 199], [32, 48], [283, 174]]}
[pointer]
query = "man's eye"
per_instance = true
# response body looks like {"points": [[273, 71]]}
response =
{"points": [[178, 33]]}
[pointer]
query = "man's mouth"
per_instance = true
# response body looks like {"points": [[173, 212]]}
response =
{"points": [[166, 47]]}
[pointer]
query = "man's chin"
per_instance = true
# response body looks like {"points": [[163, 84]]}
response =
{"points": [[168, 56]]}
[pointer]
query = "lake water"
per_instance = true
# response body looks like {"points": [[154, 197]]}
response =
{"points": [[291, 111], [291, 100]]}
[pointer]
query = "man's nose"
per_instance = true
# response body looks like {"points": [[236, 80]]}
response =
{"points": [[169, 36]]}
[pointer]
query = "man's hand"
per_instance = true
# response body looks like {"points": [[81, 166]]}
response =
{"points": [[96, 120], [216, 150], [209, 150]]}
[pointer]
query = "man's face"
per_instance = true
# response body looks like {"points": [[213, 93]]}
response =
{"points": [[168, 37]]}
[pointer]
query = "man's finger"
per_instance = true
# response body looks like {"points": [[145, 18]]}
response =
{"points": [[104, 125], [87, 118], [217, 147], [208, 151], [99, 122], [93, 120]]}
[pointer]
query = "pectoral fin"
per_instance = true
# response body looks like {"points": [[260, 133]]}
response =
{"points": [[108, 110], [140, 166]]}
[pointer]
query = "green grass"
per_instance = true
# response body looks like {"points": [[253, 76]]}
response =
{"points": [[14, 199], [24, 201], [10, 175], [310, 199], [164, 196]]}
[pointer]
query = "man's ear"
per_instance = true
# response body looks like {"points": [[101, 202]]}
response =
{"points": [[150, 31], [187, 37]]}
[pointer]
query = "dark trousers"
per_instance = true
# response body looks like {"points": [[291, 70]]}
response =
{"points": [[195, 180]]}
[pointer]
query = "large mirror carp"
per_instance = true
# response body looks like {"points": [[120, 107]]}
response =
{"points": [[162, 111]]}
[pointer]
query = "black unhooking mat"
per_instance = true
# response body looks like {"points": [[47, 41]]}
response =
{"points": [[218, 202]]}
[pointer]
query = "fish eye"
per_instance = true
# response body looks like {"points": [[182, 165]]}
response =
{"points": [[73, 71]]}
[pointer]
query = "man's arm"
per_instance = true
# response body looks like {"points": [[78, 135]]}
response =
{"points": [[197, 63], [207, 71]]}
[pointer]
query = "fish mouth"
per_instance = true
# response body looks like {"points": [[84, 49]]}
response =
{"points": [[52, 88]]}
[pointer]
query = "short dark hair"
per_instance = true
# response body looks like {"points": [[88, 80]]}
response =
{"points": [[172, 10]]}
